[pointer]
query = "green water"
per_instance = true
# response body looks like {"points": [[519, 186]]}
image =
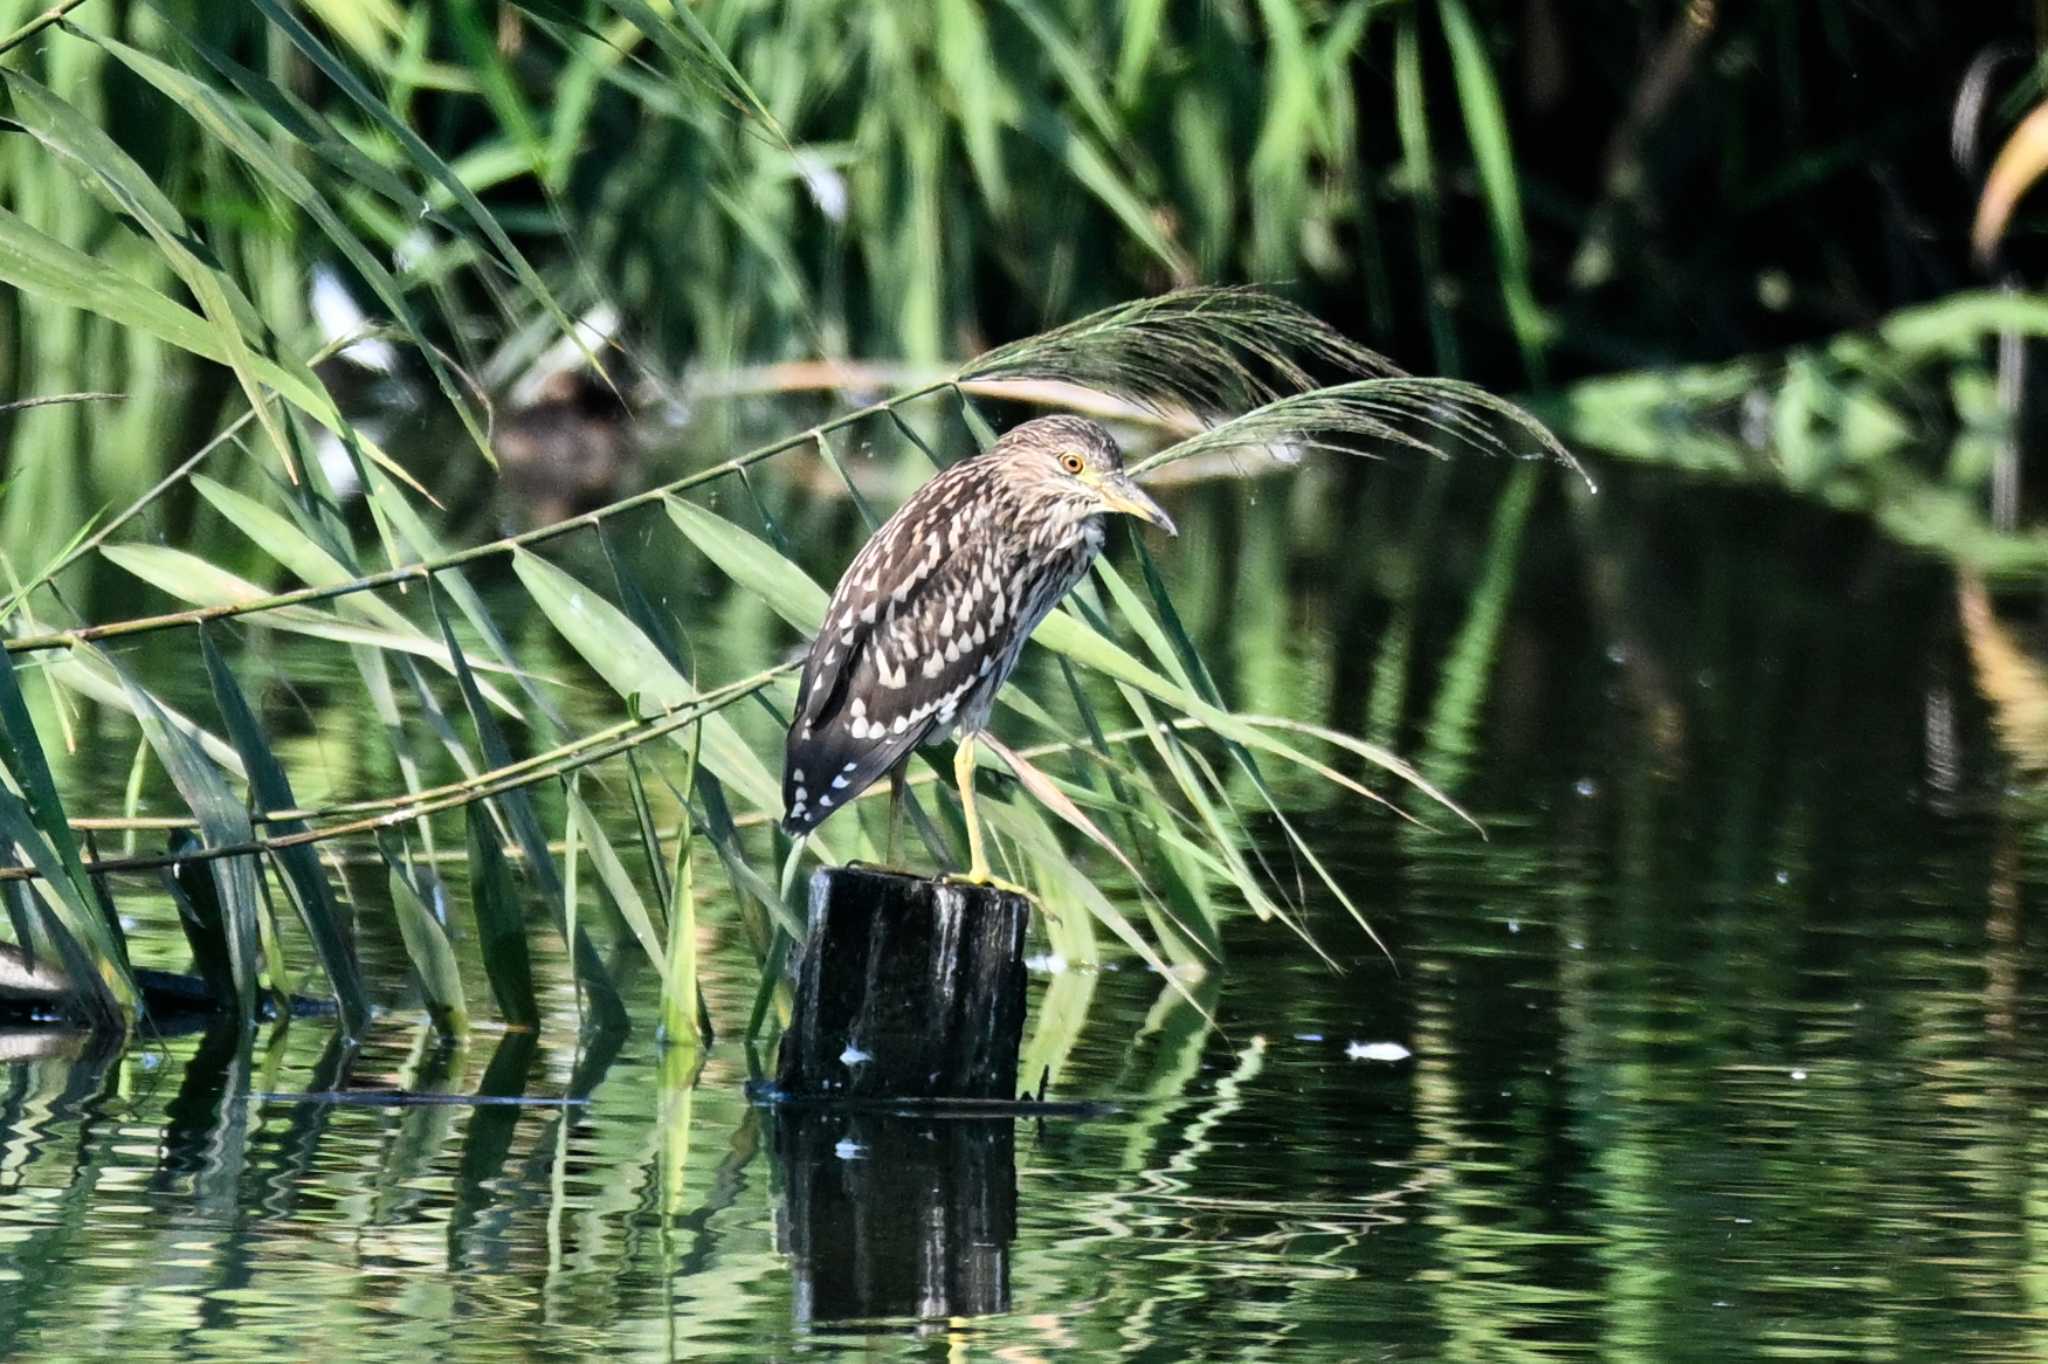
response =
{"points": [[1724, 1042]]}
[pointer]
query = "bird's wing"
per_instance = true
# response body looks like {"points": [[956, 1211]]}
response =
{"points": [[902, 645]]}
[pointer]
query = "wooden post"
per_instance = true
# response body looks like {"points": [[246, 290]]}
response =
{"points": [[906, 989]]}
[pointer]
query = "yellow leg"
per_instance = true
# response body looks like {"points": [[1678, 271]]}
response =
{"points": [[895, 816], [977, 855], [963, 777]]}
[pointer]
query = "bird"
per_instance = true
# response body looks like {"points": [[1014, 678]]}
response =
{"points": [[927, 622]]}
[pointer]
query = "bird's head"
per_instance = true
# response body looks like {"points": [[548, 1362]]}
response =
{"points": [[1076, 461]]}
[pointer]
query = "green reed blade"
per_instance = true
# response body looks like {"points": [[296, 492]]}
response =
{"points": [[304, 877], [223, 822], [501, 930], [426, 944], [607, 1010]]}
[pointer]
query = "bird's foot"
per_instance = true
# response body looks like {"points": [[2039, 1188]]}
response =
{"points": [[981, 876]]}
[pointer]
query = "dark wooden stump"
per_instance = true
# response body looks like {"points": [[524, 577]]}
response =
{"points": [[888, 1215], [906, 988]]}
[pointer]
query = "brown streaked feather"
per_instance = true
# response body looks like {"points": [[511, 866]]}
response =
{"points": [[926, 623]]}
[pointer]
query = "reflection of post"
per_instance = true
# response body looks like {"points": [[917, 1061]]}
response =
{"points": [[889, 1215]]}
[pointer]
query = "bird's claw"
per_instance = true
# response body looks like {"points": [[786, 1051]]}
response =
{"points": [[986, 881]]}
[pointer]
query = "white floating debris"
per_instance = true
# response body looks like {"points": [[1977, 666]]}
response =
{"points": [[853, 1056], [849, 1149], [1308, 1037], [1046, 963], [1377, 1051], [1799, 1075]]}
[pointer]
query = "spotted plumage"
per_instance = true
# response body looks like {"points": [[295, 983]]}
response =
{"points": [[927, 622]]}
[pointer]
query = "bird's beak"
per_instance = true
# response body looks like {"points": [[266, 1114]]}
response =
{"points": [[1127, 497]]}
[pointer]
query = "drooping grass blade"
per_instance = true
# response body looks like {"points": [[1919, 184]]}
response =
{"points": [[223, 822], [304, 878], [607, 1010], [426, 945], [501, 929]]}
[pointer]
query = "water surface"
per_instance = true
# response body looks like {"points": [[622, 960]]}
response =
{"points": [[1724, 1041]]}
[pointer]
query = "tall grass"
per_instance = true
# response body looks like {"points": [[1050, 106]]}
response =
{"points": [[750, 181], [1205, 354], [742, 181]]}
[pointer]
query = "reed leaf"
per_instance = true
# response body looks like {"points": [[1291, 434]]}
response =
{"points": [[426, 160], [607, 1010], [223, 823], [426, 945], [34, 829], [101, 163], [618, 883], [685, 1021], [193, 579], [1486, 124], [501, 931], [226, 127], [753, 564], [85, 673], [194, 894], [40, 265], [632, 666], [304, 878]]}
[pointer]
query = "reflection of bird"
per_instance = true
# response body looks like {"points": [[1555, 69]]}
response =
{"points": [[928, 621]]}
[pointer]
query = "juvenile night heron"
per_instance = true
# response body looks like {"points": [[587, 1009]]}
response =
{"points": [[928, 620]]}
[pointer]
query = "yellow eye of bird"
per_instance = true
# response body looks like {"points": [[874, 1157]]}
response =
{"points": [[1071, 462]]}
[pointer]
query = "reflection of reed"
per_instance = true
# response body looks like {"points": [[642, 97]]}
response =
{"points": [[2014, 683], [61, 1090]]}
